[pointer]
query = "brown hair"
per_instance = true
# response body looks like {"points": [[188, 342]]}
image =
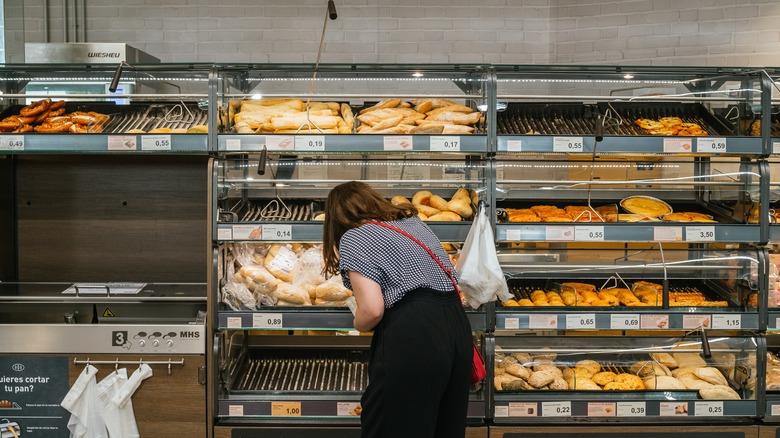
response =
{"points": [[350, 205]]}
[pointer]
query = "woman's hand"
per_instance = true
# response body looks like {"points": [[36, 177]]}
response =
{"points": [[370, 304]]}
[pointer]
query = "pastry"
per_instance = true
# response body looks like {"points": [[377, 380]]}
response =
{"points": [[438, 202], [645, 205], [604, 377], [398, 200], [711, 375], [663, 382], [422, 197], [719, 392], [590, 366], [460, 207]]}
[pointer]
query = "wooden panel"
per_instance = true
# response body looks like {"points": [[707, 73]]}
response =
{"points": [[165, 405], [227, 432], [768, 431], [669, 430]]}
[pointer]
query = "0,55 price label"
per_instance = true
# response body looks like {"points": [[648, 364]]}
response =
{"points": [[445, 144], [156, 143], [581, 321], [567, 144], [286, 409], [556, 409], [12, 143], [699, 234], [589, 233], [624, 322], [711, 145], [267, 320], [309, 142], [277, 232]]}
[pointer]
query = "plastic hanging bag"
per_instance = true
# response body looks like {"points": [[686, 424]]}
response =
{"points": [[480, 276]]}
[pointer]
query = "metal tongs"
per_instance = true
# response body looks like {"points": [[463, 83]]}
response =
{"points": [[179, 113], [276, 209]]}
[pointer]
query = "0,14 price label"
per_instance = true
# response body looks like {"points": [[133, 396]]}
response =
{"points": [[567, 144], [624, 322], [156, 143], [445, 144], [277, 232], [285, 409], [589, 233], [631, 409], [12, 143], [556, 409], [581, 321], [699, 234], [309, 142], [267, 320], [709, 409], [711, 145]]}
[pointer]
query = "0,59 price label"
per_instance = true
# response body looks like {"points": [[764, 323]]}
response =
{"points": [[267, 320], [581, 321], [445, 144], [699, 234], [556, 409], [309, 142], [12, 143], [589, 233], [156, 143], [567, 144], [277, 232], [711, 145]]}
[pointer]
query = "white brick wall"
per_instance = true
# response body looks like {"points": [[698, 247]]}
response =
{"points": [[661, 32]]}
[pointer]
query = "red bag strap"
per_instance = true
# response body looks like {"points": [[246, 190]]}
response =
{"points": [[428, 250]]}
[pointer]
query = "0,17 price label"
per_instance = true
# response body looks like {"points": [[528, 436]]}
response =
{"points": [[581, 321], [711, 145], [709, 409], [285, 409], [156, 143], [267, 320], [309, 142], [445, 144], [624, 322], [556, 409], [699, 234], [567, 144], [277, 232], [589, 233], [12, 143], [631, 409]]}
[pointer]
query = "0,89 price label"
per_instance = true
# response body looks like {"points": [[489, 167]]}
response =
{"points": [[445, 144], [589, 233], [567, 144], [711, 145], [309, 142], [709, 409], [556, 409], [624, 322], [12, 143], [156, 143], [699, 234], [285, 409], [277, 232], [581, 321], [631, 409], [267, 320]]}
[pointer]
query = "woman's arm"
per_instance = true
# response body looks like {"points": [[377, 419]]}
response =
{"points": [[370, 304]]}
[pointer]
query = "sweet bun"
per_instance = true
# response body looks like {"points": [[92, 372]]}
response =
{"points": [[198, 129], [444, 216], [462, 193], [135, 131], [422, 197], [398, 200], [461, 207], [426, 210], [161, 131], [438, 202]]}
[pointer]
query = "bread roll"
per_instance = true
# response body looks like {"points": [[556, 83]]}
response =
{"points": [[590, 366], [321, 302], [461, 193], [689, 360], [292, 295], [429, 128], [585, 385], [559, 384], [523, 358], [445, 216], [719, 392], [398, 200], [665, 359], [198, 129], [518, 370], [461, 207], [332, 291], [692, 382], [604, 377], [663, 382], [500, 380], [438, 202], [517, 385], [422, 197], [387, 103], [542, 378], [711, 375], [426, 210], [281, 262]]}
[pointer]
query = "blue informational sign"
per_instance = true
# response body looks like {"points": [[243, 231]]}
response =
{"points": [[31, 389]]}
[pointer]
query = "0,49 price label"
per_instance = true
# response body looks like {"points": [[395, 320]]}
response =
{"points": [[711, 145], [277, 232], [567, 144], [267, 320], [581, 321], [556, 409], [156, 143], [445, 144], [12, 143]]}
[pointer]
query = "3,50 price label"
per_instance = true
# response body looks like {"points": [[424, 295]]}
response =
{"points": [[556, 409], [309, 142], [12, 143], [267, 320], [445, 144], [567, 144], [711, 145], [286, 409], [700, 234], [277, 232], [581, 321], [156, 143]]}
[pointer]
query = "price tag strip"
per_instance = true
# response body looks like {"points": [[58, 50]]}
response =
{"points": [[727, 322], [631, 409], [654, 322], [567, 144], [519, 409], [277, 232], [514, 146], [556, 409], [589, 233], [673, 409], [581, 321], [709, 408], [398, 143], [602, 409], [696, 321], [512, 323], [543, 322], [309, 142], [667, 234], [267, 320]]}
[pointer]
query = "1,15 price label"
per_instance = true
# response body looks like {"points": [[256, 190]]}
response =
{"points": [[711, 145], [556, 409], [727, 322], [277, 232], [285, 409], [309, 142], [624, 322], [589, 233], [699, 234], [581, 321], [709, 409], [267, 320], [12, 143], [567, 144], [156, 143], [631, 409], [445, 144]]}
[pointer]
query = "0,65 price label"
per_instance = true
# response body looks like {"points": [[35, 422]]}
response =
{"points": [[711, 145], [267, 320], [285, 409], [589, 233], [631, 409], [277, 232], [709, 409], [12, 143], [624, 322], [581, 321], [556, 409], [445, 144], [567, 144], [699, 234], [156, 143], [309, 142]]}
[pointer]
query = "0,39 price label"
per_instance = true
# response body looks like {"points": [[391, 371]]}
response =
{"points": [[445, 144], [727, 322], [309, 142], [624, 322], [267, 320], [631, 409], [709, 409], [277, 232], [12, 143], [567, 144], [699, 234], [156, 143], [556, 409], [589, 233], [581, 321], [711, 145], [285, 409]]}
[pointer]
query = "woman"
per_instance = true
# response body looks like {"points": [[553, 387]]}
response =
{"points": [[420, 358]]}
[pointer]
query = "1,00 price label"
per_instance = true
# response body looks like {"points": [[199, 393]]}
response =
{"points": [[267, 320], [286, 409]]}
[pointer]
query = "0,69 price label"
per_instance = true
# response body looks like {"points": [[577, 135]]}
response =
{"points": [[309, 142], [277, 232], [699, 234], [581, 321], [445, 144], [624, 322], [12, 143], [709, 409], [567, 144], [267, 320], [156, 143], [556, 409], [711, 145], [589, 233]]}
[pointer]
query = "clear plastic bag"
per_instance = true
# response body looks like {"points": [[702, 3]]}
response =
{"points": [[480, 276]]}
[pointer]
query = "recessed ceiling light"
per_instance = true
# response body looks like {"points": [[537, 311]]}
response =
{"points": [[628, 76], [417, 74]]}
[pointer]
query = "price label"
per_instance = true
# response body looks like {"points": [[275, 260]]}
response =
{"points": [[12, 143], [543, 322], [696, 321], [700, 234], [567, 144], [673, 409], [501, 411], [581, 321], [631, 409], [445, 144], [512, 323], [241, 232], [347, 409], [514, 146], [233, 144], [523, 410], [624, 322], [398, 143], [674, 145], [777, 323], [602, 409], [776, 150], [156, 143], [668, 234], [589, 233], [711, 145], [309, 142], [514, 234], [234, 322], [709, 409], [277, 232], [654, 322], [556, 409], [727, 322], [286, 409], [236, 410], [267, 320], [122, 143], [279, 142], [775, 408], [559, 233], [224, 234]]}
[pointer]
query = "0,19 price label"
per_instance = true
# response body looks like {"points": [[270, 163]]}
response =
{"points": [[567, 144], [309, 142], [709, 409], [711, 145], [277, 232], [285, 409], [12, 143], [631, 409], [624, 322], [267, 320], [445, 144], [589, 233], [581, 321], [156, 143], [699, 234], [556, 409]]}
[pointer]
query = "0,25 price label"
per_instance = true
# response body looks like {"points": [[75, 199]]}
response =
{"points": [[699, 234], [12, 143], [567, 144], [156, 143], [711, 145], [709, 409], [445, 144], [556, 409], [267, 320], [581, 321], [589, 233], [277, 232], [624, 322], [309, 142]]}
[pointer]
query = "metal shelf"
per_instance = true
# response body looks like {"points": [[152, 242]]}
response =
{"points": [[312, 143], [312, 232], [109, 143], [630, 232], [708, 146], [624, 319]]}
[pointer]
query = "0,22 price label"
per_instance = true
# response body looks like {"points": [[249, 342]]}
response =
{"points": [[556, 409], [445, 144], [592, 234], [267, 320], [309, 143], [12, 143], [156, 143], [581, 321], [277, 232], [711, 145], [699, 234], [567, 144], [624, 322]]}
